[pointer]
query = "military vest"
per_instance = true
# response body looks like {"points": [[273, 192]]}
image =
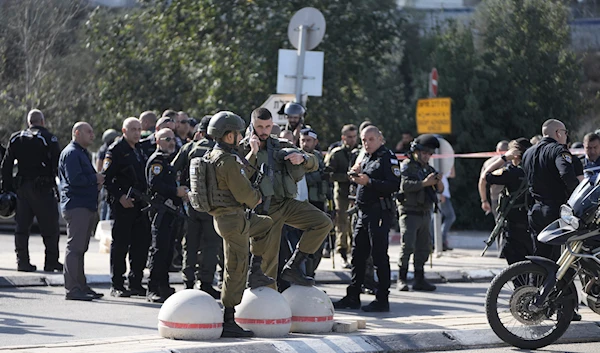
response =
{"points": [[205, 195]]}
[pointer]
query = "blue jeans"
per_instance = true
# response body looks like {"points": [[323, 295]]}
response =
{"points": [[448, 218]]}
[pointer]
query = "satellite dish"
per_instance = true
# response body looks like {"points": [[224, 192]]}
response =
{"points": [[314, 20]]}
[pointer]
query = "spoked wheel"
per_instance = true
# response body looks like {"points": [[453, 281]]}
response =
{"points": [[511, 315]]}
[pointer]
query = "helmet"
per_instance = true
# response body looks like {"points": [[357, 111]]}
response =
{"points": [[203, 125], [225, 121], [294, 109], [8, 204], [426, 142], [109, 135]]}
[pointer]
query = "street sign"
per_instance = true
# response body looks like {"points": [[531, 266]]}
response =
{"points": [[274, 104], [312, 83], [433, 83], [314, 21], [433, 116]]}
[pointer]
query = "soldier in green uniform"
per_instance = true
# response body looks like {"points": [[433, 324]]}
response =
{"points": [[287, 166], [418, 188], [200, 235], [227, 195], [338, 162]]}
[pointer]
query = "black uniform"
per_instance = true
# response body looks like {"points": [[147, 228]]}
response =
{"points": [[200, 235], [37, 153], [148, 144], [124, 167], [376, 211], [517, 242], [162, 181], [551, 178]]}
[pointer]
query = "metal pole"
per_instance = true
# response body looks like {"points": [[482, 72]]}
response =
{"points": [[300, 62], [437, 222]]}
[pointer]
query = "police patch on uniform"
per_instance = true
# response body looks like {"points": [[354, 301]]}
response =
{"points": [[54, 139], [396, 170], [394, 161], [498, 172], [156, 169], [106, 164], [567, 157]]}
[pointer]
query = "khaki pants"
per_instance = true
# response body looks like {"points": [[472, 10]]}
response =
{"points": [[416, 239], [235, 230], [342, 224], [301, 215]]}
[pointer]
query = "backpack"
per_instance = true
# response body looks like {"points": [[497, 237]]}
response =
{"points": [[198, 190]]}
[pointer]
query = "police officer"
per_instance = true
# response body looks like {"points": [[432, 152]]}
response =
{"points": [[517, 243], [200, 234], [230, 195], [36, 151], [124, 167], [287, 166], [162, 181], [418, 188], [148, 144], [338, 162], [551, 178], [294, 113], [377, 178]]}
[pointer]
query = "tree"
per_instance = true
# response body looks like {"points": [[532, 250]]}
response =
{"points": [[205, 56]]}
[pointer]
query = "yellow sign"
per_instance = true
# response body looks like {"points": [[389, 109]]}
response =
{"points": [[433, 116]]}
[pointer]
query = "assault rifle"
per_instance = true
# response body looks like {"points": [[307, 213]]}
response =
{"points": [[260, 174], [157, 202]]}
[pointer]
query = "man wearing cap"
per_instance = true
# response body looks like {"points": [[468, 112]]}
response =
{"points": [[148, 145], [200, 236], [377, 177], [418, 193]]}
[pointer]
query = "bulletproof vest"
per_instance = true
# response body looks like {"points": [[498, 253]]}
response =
{"points": [[204, 194], [282, 183]]}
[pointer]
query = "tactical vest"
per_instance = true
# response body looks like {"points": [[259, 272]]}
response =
{"points": [[205, 195], [282, 184]]}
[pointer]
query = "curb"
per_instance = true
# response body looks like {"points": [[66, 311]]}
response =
{"points": [[322, 277], [437, 340]]}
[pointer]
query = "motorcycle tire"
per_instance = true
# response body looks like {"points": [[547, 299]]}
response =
{"points": [[514, 275]]}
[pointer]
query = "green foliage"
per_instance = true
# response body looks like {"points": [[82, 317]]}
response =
{"points": [[205, 56]]}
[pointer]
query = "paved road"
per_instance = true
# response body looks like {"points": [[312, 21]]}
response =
{"points": [[593, 347]]}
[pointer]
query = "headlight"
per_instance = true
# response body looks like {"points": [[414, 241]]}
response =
{"points": [[566, 214]]}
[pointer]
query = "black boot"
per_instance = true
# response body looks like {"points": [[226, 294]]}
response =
{"points": [[293, 273], [231, 328], [381, 304], [256, 277], [350, 301], [208, 288], [402, 284], [421, 283]]}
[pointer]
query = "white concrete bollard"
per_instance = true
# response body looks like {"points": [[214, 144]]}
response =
{"points": [[190, 314], [264, 311], [312, 310], [104, 235]]}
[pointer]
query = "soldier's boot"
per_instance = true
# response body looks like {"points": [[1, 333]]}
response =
{"points": [[350, 301], [402, 284], [208, 288], [381, 304], [231, 328], [256, 276], [421, 283], [292, 271]]}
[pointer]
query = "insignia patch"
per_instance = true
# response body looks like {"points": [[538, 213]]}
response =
{"points": [[498, 172], [156, 169], [106, 164], [396, 170], [567, 157], [54, 139], [394, 161]]}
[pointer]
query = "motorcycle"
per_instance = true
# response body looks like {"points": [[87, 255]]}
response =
{"points": [[531, 303]]}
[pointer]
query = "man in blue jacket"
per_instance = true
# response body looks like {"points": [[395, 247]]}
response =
{"points": [[79, 186]]}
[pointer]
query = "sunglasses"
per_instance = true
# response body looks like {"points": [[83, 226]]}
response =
{"points": [[168, 139]]}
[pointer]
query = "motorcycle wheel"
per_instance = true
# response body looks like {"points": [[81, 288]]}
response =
{"points": [[508, 313]]}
